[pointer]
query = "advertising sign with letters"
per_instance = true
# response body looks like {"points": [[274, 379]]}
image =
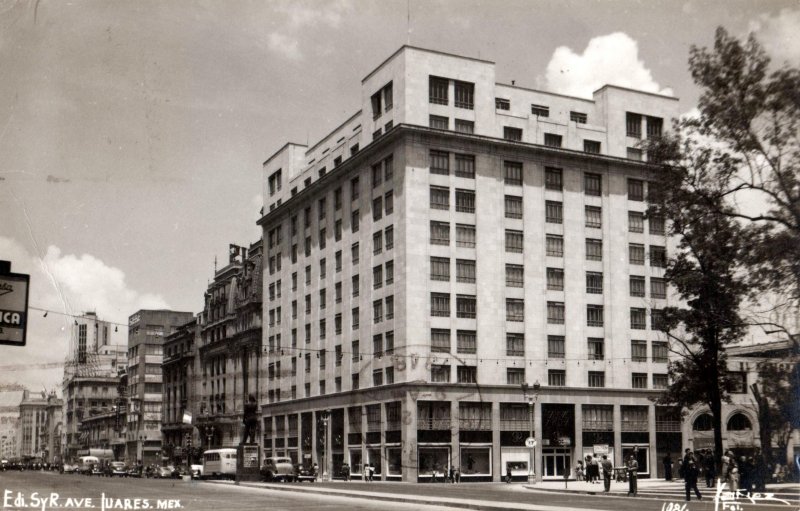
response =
{"points": [[13, 306]]}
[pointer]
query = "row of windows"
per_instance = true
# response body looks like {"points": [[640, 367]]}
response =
{"points": [[441, 373], [439, 92]]}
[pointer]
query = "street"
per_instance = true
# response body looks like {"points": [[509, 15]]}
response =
{"points": [[28, 490]]}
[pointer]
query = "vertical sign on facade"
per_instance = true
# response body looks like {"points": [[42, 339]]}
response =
{"points": [[13, 305]]}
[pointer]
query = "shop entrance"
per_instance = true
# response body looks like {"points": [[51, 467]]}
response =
{"points": [[555, 461]]}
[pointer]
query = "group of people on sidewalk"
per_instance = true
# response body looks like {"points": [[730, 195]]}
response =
{"points": [[747, 474]]}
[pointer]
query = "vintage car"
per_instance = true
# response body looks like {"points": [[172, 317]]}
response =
{"points": [[305, 473], [277, 469]]}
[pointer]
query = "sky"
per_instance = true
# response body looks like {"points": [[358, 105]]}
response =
{"points": [[132, 133]]}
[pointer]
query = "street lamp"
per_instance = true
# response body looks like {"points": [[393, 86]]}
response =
{"points": [[325, 415], [531, 442]]}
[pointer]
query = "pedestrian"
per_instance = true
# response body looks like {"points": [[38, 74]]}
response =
{"points": [[733, 474], [633, 473], [508, 472], [668, 467], [366, 473], [690, 473], [371, 472], [452, 475], [709, 468], [607, 469], [458, 476], [595, 468], [579, 471], [760, 471], [346, 472]]}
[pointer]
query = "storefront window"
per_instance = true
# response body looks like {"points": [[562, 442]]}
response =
{"points": [[355, 461], [394, 461], [641, 456], [476, 461], [375, 459], [434, 459]]}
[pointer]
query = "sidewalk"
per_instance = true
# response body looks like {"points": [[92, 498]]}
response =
{"points": [[645, 486]]}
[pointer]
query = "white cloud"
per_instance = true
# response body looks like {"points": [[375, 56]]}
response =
{"points": [[610, 59], [302, 15], [778, 35], [284, 45]]}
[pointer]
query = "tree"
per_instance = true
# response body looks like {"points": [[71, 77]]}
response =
{"points": [[778, 409]]}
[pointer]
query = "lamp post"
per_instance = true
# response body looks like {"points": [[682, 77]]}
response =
{"points": [[325, 415], [531, 404]]}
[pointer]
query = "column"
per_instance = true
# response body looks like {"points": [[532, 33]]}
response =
{"points": [[327, 447], [497, 470], [408, 437], [346, 436], [314, 426], [300, 438], [651, 431], [455, 428], [618, 461], [578, 435], [537, 434], [384, 466], [364, 454]]}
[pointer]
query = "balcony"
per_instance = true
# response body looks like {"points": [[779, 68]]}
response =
{"points": [[475, 424], [515, 425], [600, 425], [433, 424], [668, 426], [634, 425]]}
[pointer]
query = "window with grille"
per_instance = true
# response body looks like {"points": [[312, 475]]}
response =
{"points": [[515, 276], [654, 126], [510, 133], [639, 349], [354, 349], [440, 268], [594, 282], [639, 380], [514, 241], [466, 341], [660, 352], [354, 253], [513, 206], [502, 104], [555, 346], [388, 347], [591, 146], [555, 313], [635, 221], [597, 379], [634, 154], [594, 249], [635, 189], [388, 203], [377, 277], [355, 285], [377, 208], [658, 288], [638, 319], [594, 315], [377, 242], [555, 279], [512, 171], [438, 90], [658, 256], [553, 178], [633, 125], [440, 233], [465, 271], [377, 345], [596, 347], [660, 381], [388, 168], [515, 376], [465, 201], [556, 377], [515, 310], [440, 340], [440, 197], [467, 374], [388, 235], [594, 217], [440, 163], [592, 184], [463, 126], [555, 245], [515, 345], [552, 140], [440, 305], [637, 285], [440, 373], [553, 212], [578, 117], [636, 253], [465, 235], [465, 166], [377, 311], [540, 110], [657, 319], [466, 306], [464, 93], [656, 224]]}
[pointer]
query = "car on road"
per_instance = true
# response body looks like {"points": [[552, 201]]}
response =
{"points": [[277, 469], [118, 469], [305, 473], [197, 471], [165, 472], [134, 472]]}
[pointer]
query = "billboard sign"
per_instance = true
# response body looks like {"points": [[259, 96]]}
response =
{"points": [[13, 305]]}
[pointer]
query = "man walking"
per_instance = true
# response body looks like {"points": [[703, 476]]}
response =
{"points": [[607, 469], [668, 467], [633, 472], [690, 474]]}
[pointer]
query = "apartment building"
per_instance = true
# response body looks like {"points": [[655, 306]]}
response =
{"points": [[462, 262]]}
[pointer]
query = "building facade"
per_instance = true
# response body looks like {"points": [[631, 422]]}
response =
{"points": [[32, 421], [181, 398]]}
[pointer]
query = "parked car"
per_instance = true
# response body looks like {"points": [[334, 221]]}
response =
{"points": [[134, 472], [118, 468], [164, 472], [67, 468], [304, 473], [277, 469], [197, 471]]}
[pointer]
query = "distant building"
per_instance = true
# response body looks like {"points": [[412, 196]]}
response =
{"points": [[51, 432], [32, 418], [180, 394]]}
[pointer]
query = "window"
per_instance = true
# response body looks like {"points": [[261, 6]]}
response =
{"points": [[322, 301], [465, 201], [594, 315], [656, 224], [308, 304], [660, 381], [321, 208], [592, 184], [438, 122], [388, 235], [377, 175], [440, 340], [388, 202], [636, 253], [354, 253], [355, 381], [594, 249], [466, 306], [376, 105], [440, 269], [377, 277], [307, 247], [633, 125], [502, 104], [515, 345], [513, 206], [356, 356], [594, 283], [467, 374], [355, 315], [355, 284], [377, 311], [440, 163], [354, 188], [377, 242], [658, 256], [514, 275], [440, 305], [635, 221], [594, 217], [515, 376], [338, 292], [639, 380], [660, 352], [638, 319], [597, 379], [322, 331], [440, 197], [515, 310], [440, 373], [322, 268], [555, 279], [639, 350], [578, 117], [635, 189], [553, 178], [658, 288], [294, 281], [389, 272], [513, 173], [388, 347], [465, 271], [654, 126], [555, 245], [555, 313], [637, 285], [510, 133], [514, 241], [437, 90], [440, 233], [322, 239], [591, 146], [308, 362], [463, 126], [552, 140], [465, 235], [657, 319], [465, 166], [377, 377], [596, 347], [554, 212], [377, 208], [377, 345], [464, 93], [556, 377], [540, 110], [634, 154], [738, 380], [555, 346], [466, 341]]}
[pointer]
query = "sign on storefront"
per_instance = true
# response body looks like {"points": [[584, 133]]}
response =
{"points": [[13, 305]]}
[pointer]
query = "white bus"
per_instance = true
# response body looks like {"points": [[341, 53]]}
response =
{"points": [[219, 463]]}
